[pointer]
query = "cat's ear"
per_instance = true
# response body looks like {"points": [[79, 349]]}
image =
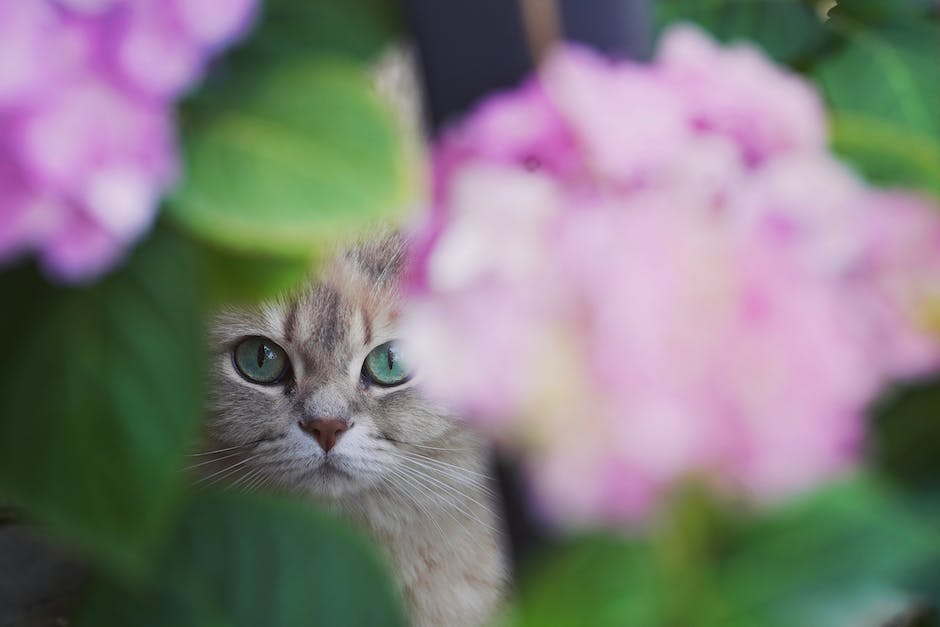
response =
{"points": [[381, 258], [369, 273]]}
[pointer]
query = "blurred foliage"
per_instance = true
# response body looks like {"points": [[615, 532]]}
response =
{"points": [[240, 561], [239, 278], [286, 150], [357, 29], [791, 31], [284, 163], [287, 147], [875, 60], [878, 11], [852, 552], [103, 399], [884, 88], [835, 558], [906, 446]]}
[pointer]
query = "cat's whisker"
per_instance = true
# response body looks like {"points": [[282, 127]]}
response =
{"points": [[257, 482], [435, 448], [246, 477], [222, 450], [460, 469], [421, 509], [212, 461], [412, 483], [408, 479], [458, 494], [222, 474], [457, 474], [452, 505], [458, 482], [418, 475]]}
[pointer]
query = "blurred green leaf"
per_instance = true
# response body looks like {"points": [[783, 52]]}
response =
{"points": [[287, 161], [238, 278], [100, 396], [829, 558], [359, 29], [790, 31], [884, 89], [242, 561], [596, 581], [880, 11], [826, 560], [906, 437], [886, 151]]}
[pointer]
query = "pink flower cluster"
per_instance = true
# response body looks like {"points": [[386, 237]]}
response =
{"points": [[87, 144], [636, 274]]}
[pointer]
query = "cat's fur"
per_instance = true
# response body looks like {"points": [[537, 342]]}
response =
{"points": [[411, 474]]}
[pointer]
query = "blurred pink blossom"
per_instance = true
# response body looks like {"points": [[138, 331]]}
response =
{"points": [[87, 141], [635, 274], [897, 283], [766, 110]]}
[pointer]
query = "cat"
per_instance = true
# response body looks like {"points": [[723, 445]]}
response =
{"points": [[313, 395]]}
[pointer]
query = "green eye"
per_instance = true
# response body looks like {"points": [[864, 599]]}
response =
{"points": [[260, 360], [385, 366]]}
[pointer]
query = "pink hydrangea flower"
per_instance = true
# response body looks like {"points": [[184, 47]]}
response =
{"points": [[635, 274], [765, 109], [87, 145], [898, 283]]}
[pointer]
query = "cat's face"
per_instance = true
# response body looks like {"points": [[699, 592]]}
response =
{"points": [[314, 394]]}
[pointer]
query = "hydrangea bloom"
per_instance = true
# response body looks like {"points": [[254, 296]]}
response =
{"points": [[87, 142], [633, 274]]}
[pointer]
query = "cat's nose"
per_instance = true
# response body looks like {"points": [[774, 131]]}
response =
{"points": [[326, 431]]}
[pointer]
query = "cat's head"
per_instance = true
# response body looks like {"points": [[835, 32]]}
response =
{"points": [[315, 394]]}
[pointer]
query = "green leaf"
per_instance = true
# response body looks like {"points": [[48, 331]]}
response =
{"points": [[290, 160], [884, 89], [595, 581], [100, 395], [235, 278], [790, 31], [836, 553], [358, 29], [894, 67], [906, 437], [886, 151], [821, 561], [243, 561], [879, 11]]}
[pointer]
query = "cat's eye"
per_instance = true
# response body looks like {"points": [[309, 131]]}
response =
{"points": [[260, 360], [385, 365]]}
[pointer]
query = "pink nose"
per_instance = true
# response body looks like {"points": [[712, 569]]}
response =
{"points": [[325, 430]]}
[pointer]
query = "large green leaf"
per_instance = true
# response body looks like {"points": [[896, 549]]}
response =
{"points": [[240, 278], [884, 89], [596, 581], [357, 29], [880, 11], [100, 395], [821, 561], [906, 437], [247, 562], [887, 151], [790, 31], [291, 159], [827, 560]]}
